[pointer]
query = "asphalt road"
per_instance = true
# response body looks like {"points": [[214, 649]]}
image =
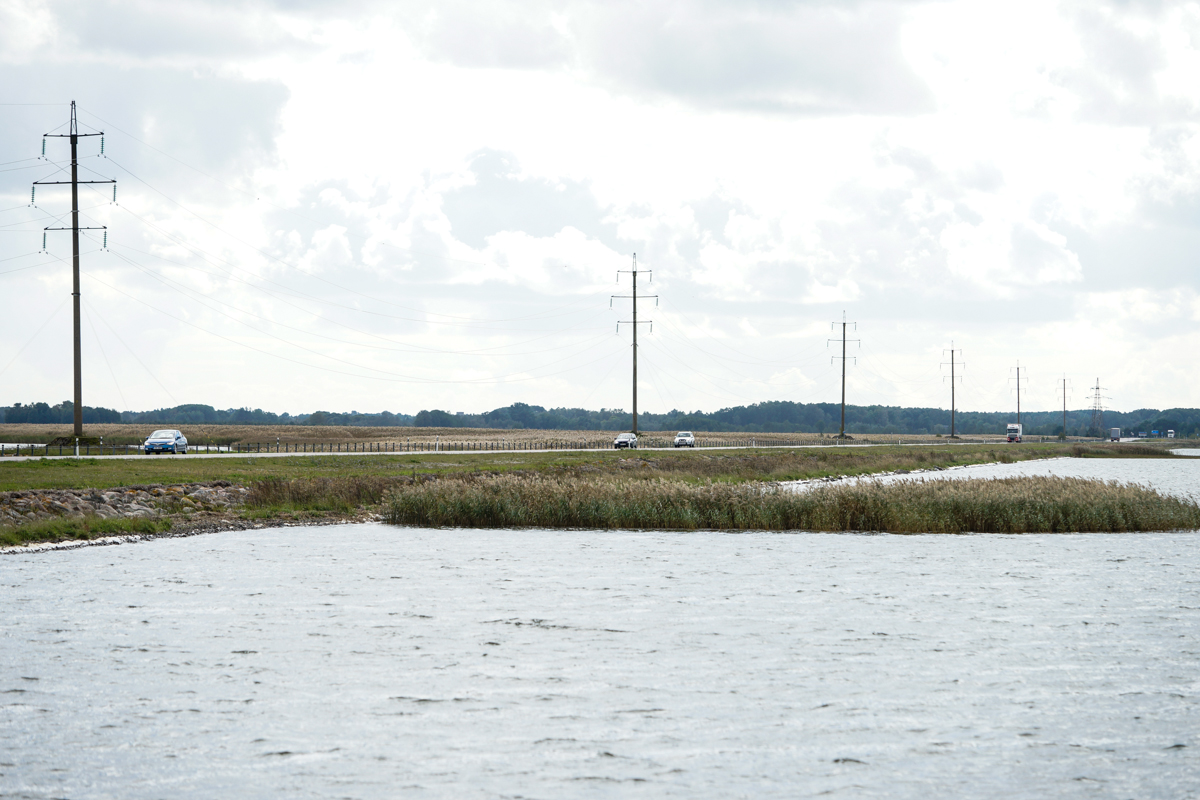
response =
{"points": [[201, 455]]}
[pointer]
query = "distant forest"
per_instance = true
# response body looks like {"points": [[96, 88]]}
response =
{"points": [[773, 417]]}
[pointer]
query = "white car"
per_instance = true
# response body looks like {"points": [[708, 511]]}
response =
{"points": [[625, 440], [685, 439], [165, 441]]}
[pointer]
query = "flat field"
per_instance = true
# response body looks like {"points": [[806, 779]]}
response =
{"points": [[199, 435], [751, 464]]}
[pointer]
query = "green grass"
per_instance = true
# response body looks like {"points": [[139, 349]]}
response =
{"points": [[1011, 505], [78, 528], [697, 465]]}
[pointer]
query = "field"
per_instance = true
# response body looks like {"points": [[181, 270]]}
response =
{"points": [[665, 488], [752, 464], [199, 435]]}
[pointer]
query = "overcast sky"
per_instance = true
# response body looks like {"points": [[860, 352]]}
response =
{"points": [[404, 205]]}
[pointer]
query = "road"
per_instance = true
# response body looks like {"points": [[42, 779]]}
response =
{"points": [[6, 459]]}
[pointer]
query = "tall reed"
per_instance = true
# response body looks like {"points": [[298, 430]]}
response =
{"points": [[1010, 505], [320, 494]]}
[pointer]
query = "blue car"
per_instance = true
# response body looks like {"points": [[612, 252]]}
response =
{"points": [[169, 441]]}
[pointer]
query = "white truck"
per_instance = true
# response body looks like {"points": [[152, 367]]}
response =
{"points": [[1014, 432], [1114, 434]]}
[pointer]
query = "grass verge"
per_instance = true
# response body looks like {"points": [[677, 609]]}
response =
{"points": [[764, 464], [1011, 505], [78, 528]]}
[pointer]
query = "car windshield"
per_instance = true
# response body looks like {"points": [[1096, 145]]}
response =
{"points": [[163, 435], [684, 433], [625, 436]]}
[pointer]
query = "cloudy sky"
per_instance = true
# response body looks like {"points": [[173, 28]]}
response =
{"points": [[405, 205]]}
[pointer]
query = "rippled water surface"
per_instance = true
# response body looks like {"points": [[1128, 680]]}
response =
{"points": [[1177, 477], [376, 662]]}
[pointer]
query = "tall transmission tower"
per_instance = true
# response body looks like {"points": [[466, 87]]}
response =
{"points": [[1064, 381], [843, 340], [1098, 409], [952, 351], [74, 136], [634, 322], [1018, 369]]}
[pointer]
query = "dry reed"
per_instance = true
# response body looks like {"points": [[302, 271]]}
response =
{"points": [[320, 494], [1011, 505]]}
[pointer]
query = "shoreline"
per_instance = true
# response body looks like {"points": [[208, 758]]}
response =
{"points": [[188, 530]]}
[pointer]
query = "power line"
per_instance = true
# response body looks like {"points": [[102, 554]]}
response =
{"points": [[1018, 369], [1064, 381], [74, 135], [1098, 409], [952, 382], [843, 323], [635, 323]]}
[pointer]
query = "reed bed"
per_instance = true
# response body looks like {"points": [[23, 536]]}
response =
{"points": [[1010, 505], [321, 494]]}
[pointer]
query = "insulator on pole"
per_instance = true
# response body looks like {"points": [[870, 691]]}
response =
{"points": [[114, 193], [32, 194], [43, 145], [101, 145], [43, 242], [106, 240]]}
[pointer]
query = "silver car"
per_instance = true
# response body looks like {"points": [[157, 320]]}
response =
{"points": [[625, 440], [685, 439], [165, 441]]}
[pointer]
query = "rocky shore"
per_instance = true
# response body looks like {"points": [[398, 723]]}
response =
{"points": [[200, 499]]}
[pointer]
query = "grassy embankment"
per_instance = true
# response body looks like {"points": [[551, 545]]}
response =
{"points": [[764, 464], [78, 528], [688, 488]]}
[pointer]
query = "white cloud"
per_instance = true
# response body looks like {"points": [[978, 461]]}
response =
{"points": [[412, 193]]}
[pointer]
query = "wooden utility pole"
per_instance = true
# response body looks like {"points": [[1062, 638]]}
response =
{"points": [[74, 136], [635, 323], [843, 323]]}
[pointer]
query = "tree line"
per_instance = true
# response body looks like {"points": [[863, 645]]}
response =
{"points": [[770, 417]]}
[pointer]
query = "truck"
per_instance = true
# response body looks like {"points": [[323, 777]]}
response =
{"points": [[1014, 432], [1170, 434], [1114, 434]]}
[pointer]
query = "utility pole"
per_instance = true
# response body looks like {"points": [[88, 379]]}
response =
{"points": [[1098, 409], [952, 351], [74, 136], [1064, 382], [843, 323], [1018, 369], [634, 322]]}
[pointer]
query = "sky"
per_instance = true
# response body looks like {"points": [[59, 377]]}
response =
{"points": [[368, 206]]}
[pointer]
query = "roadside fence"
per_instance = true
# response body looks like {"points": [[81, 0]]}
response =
{"points": [[423, 446]]}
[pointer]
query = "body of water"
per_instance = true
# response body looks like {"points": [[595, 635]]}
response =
{"points": [[365, 661], [1169, 476]]}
